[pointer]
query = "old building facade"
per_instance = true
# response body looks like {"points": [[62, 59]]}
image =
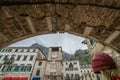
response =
{"points": [[72, 70], [88, 74], [27, 63], [54, 64], [18, 62]]}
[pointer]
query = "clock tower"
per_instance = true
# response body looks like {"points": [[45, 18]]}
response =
{"points": [[54, 64]]}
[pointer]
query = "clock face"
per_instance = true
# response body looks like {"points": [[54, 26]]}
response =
{"points": [[54, 55]]}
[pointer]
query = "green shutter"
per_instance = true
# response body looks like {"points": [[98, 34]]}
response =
{"points": [[6, 57], [16, 68], [18, 58], [3, 68], [0, 66], [25, 67], [31, 58], [22, 69], [30, 67], [25, 57], [10, 68], [16, 50]]}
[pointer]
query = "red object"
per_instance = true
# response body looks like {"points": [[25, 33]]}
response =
{"points": [[101, 62], [15, 78], [24, 78], [6, 78]]}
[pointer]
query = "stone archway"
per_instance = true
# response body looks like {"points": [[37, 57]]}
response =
{"points": [[98, 20]]}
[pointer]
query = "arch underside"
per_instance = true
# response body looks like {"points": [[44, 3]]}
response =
{"points": [[98, 20]]}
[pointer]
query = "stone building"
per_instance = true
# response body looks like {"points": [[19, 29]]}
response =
{"points": [[88, 74], [21, 63], [98, 20], [71, 69], [18, 63], [54, 64], [39, 67]]}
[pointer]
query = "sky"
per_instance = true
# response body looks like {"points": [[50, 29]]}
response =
{"points": [[70, 43]]}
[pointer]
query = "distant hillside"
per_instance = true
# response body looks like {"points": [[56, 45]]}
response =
{"points": [[45, 50], [42, 48]]}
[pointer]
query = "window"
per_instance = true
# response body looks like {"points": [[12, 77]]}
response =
{"points": [[5, 68], [66, 63], [6, 56], [88, 71], [71, 66], [84, 71], [92, 42], [16, 50], [28, 50], [3, 50], [77, 76], [0, 66], [10, 50], [81, 71], [40, 63], [23, 68], [25, 57], [67, 76], [66, 69], [18, 58], [37, 72], [7, 50], [17, 68], [34, 50], [10, 68], [75, 62], [29, 67], [1, 56], [72, 75], [75, 68], [22, 50], [55, 49], [31, 57]]}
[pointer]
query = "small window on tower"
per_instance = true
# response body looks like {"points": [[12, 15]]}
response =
{"points": [[55, 49], [40, 63]]}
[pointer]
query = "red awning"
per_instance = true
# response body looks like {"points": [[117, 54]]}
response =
{"points": [[101, 62], [15, 78], [24, 78], [6, 78]]}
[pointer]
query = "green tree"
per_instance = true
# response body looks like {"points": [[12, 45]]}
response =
{"points": [[83, 56]]}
